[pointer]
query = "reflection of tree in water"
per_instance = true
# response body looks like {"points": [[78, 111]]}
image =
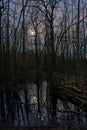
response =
{"points": [[66, 112]]}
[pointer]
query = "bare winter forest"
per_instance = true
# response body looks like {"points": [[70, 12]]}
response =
{"points": [[43, 63]]}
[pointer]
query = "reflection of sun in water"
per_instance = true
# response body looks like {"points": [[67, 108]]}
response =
{"points": [[33, 100], [31, 32]]}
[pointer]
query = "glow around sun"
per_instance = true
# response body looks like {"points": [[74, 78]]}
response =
{"points": [[31, 32]]}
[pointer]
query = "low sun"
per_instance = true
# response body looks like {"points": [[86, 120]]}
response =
{"points": [[31, 32]]}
